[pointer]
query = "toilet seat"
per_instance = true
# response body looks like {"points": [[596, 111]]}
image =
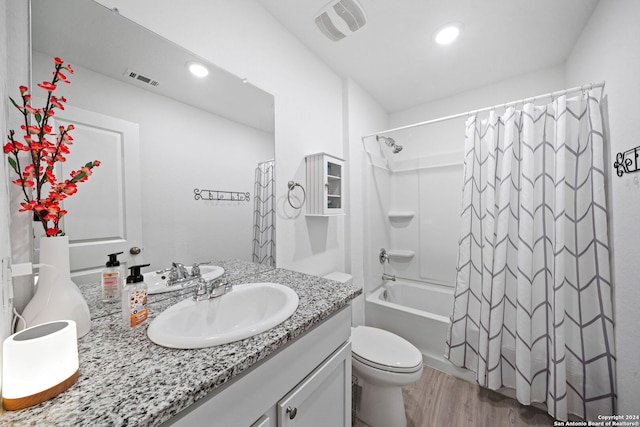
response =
{"points": [[384, 350]]}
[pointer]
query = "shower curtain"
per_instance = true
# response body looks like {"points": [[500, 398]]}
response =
{"points": [[264, 215], [532, 302]]}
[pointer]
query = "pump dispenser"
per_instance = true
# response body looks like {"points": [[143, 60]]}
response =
{"points": [[134, 298], [112, 279]]}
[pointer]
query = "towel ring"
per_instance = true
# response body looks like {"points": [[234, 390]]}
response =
{"points": [[292, 185]]}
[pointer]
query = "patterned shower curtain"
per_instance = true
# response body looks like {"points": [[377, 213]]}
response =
{"points": [[264, 215], [532, 308]]}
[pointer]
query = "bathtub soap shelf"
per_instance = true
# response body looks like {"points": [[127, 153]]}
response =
{"points": [[400, 254], [401, 215]]}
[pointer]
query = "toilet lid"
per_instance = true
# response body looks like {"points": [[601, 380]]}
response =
{"points": [[384, 350]]}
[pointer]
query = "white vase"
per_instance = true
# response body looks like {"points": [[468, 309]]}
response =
{"points": [[56, 296]]}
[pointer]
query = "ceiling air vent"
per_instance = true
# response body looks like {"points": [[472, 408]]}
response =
{"points": [[141, 78], [340, 18]]}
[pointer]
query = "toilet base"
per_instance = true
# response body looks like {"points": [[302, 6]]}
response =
{"points": [[381, 406]]}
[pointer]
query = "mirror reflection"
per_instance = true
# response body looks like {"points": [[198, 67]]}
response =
{"points": [[186, 162]]}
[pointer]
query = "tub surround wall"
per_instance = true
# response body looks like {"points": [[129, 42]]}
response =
{"points": [[125, 379], [433, 233]]}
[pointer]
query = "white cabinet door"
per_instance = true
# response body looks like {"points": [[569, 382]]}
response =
{"points": [[325, 185], [105, 214], [323, 398], [264, 421]]}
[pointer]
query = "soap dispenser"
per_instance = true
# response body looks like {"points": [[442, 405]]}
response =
{"points": [[112, 279], [134, 298]]}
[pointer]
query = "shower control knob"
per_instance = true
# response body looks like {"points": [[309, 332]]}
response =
{"points": [[292, 411], [135, 250]]}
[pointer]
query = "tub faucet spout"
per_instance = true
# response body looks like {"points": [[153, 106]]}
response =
{"points": [[386, 276]]}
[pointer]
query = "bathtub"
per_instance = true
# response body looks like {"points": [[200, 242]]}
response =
{"points": [[418, 312]]}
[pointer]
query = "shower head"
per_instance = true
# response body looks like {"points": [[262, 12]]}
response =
{"points": [[390, 142]]}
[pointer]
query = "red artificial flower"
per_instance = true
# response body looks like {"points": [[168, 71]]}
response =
{"points": [[23, 89], [27, 183], [47, 86], [56, 103], [53, 231], [32, 110], [32, 130], [58, 61], [62, 77], [27, 206], [51, 177], [69, 188], [8, 147]]}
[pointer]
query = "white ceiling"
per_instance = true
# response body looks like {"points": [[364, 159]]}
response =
{"points": [[394, 58]]}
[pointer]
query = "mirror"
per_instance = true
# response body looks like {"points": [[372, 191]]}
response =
{"points": [[194, 134]]}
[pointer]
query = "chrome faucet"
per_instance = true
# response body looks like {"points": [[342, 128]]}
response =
{"points": [[195, 268], [178, 274], [383, 256], [386, 276], [206, 290]]}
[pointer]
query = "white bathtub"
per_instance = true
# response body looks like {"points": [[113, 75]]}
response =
{"points": [[419, 312]]}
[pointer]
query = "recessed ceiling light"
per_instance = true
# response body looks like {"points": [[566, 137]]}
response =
{"points": [[197, 69], [447, 34]]}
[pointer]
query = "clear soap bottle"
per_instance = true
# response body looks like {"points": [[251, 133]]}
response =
{"points": [[134, 298], [112, 279]]}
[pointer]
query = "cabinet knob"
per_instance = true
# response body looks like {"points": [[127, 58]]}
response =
{"points": [[292, 412], [135, 250]]}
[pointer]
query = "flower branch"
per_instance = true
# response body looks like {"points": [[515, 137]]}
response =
{"points": [[39, 175]]}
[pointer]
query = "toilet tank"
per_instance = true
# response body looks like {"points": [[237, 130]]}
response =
{"points": [[338, 276]]}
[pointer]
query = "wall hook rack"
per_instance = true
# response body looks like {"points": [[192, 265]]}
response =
{"points": [[232, 196], [627, 162]]}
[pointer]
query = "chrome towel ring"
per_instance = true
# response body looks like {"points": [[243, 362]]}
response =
{"points": [[292, 185]]}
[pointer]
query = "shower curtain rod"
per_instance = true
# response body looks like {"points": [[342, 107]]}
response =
{"points": [[507, 104]]}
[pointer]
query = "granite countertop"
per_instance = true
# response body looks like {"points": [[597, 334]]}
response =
{"points": [[126, 380]]}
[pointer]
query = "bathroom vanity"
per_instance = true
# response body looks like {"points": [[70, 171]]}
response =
{"points": [[297, 373]]}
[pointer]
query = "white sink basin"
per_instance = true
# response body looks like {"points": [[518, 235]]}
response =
{"points": [[245, 311], [157, 282]]}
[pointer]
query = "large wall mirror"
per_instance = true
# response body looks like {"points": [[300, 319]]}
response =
{"points": [[164, 137]]}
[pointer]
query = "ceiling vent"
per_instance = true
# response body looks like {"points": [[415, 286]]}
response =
{"points": [[340, 18], [141, 78]]}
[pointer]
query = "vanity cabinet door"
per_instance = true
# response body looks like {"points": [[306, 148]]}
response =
{"points": [[323, 398], [264, 421]]}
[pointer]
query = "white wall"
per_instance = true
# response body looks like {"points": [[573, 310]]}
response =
{"points": [[608, 49], [5, 249], [364, 115], [181, 148], [14, 66], [243, 38]]}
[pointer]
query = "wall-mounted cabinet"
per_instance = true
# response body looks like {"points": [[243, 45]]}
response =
{"points": [[325, 185]]}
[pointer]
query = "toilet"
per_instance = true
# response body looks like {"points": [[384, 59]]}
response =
{"points": [[383, 363]]}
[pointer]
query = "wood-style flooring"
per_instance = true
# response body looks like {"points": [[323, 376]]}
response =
{"points": [[442, 400]]}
